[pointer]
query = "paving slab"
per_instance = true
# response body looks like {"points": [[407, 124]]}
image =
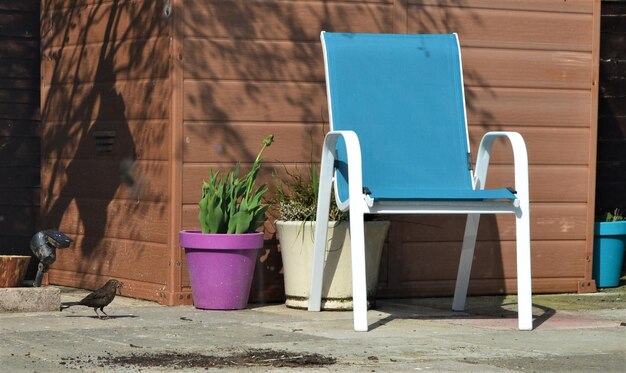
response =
{"points": [[407, 335], [29, 299]]}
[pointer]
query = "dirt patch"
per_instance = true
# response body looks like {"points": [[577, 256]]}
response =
{"points": [[249, 358]]}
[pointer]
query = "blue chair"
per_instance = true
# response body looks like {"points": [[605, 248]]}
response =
{"points": [[398, 144]]}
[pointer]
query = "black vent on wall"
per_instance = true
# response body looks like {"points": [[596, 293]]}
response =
{"points": [[104, 141]]}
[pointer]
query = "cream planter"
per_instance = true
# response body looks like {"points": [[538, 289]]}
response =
{"points": [[296, 248]]}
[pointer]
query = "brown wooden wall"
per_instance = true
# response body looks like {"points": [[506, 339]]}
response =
{"points": [[255, 67], [611, 179], [19, 125], [180, 92], [106, 96]]}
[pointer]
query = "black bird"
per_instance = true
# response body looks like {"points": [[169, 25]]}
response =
{"points": [[97, 299]]}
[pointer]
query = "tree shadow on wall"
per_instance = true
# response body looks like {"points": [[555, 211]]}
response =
{"points": [[91, 189]]}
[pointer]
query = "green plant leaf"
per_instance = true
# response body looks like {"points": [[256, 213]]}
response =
{"points": [[228, 204]]}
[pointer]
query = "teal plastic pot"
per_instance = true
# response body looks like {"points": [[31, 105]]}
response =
{"points": [[608, 253]]}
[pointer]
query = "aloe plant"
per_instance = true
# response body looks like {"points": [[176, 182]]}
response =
{"points": [[231, 204]]}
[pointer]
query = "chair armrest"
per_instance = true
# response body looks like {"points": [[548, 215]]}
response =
{"points": [[520, 160], [353, 149]]}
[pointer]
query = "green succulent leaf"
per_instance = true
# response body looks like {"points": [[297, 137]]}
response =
{"points": [[231, 204]]}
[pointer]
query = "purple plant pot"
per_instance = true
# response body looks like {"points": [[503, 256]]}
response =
{"points": [[221, 267]]}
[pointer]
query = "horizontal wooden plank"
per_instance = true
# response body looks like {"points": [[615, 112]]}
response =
{"points": [[492, 260], [615, 171], [610, 195], [63, 4], [612, 106], [212, 142], [20, 5], [612, 150], [20, 196], [305, 102], [253, 60], [19, 152], [146, 139], [19, 97], [563, 184], [121, 101], [548, 184], [16, 245], [132, 288], [254, 101], [283, 20], [526, 69], [18, 220], [123, 60], [122, 259], [20, 84], [503, 28], [19, 68], [612, 69], [19, 128], [17, 177], [570, 6], [545, 146], [549, 221], [568, 222], [613, 8], [125, 219], [611, 127], [611, 44], [17, 111], [480, 287], [528, 107], [103, 179], [19, 24], [223, 142], [20, 48], [107, 23], [613, 86], [302, 61], [56, 4]]}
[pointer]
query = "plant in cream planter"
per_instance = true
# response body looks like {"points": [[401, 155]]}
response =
{"points": [[296, 201]]}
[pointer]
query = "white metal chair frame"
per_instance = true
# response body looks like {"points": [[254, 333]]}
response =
{"points": [[359, 204]]}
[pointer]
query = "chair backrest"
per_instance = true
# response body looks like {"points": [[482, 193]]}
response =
{"points": [[403, 96]]}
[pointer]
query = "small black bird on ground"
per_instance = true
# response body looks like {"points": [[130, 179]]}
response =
{"points": [[98, 299]]}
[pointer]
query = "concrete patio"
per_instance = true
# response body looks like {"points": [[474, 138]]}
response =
{"points": [[573, 333]]}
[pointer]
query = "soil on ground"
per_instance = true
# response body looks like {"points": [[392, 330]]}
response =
{"points": [[249, 358]]}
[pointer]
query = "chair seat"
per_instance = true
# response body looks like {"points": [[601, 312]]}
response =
{"points": [[391, 193]]}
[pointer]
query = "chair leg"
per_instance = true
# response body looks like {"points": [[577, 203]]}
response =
{"points": [[524, 276], [321, 232], [359, 279], [465, 263]]}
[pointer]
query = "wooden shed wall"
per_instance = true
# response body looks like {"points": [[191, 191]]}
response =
{"points": [[254, 67], [106, 96], [611, 179], [19, 125], [180, 92]]}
